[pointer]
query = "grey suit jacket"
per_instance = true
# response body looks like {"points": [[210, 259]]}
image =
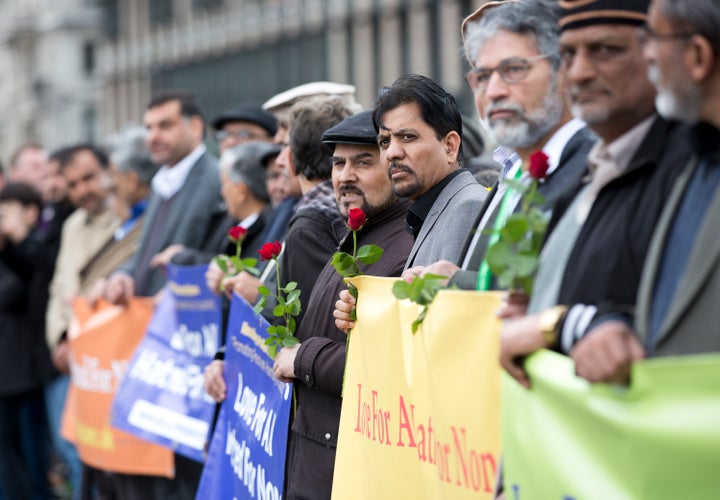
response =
{"points": [[567, 178], [188, 221], [691, 322], [443, 231]]}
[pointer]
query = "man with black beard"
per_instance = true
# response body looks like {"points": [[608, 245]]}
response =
{"points": [[317, 364]]}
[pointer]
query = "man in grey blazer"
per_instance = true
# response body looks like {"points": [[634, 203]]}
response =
{"points": [[677, 308], [185, 196], [419, 133]]}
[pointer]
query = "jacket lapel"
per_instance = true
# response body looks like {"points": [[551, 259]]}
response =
{"points": [[655, 253], [704, 256]]}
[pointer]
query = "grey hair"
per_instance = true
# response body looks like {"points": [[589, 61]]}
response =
{"points": [[701, 17], [535, 18], [246, 163], [129, 152]]}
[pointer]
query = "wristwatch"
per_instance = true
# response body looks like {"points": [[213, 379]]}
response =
{"points": [[550, 321]]}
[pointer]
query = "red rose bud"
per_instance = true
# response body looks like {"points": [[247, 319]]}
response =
{"points": [[236, 233], [356, 219], [538, 165], [270, 250]]}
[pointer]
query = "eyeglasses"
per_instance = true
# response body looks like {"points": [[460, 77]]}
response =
{"points": [[512, 70], [221, 135], [645, 33]]}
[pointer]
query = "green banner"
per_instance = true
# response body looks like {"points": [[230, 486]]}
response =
{"points": [[658, 439]]}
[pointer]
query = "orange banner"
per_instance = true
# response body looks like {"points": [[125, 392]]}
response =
{"points": [[102, 341]]}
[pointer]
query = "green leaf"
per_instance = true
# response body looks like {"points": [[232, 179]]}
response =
{"points": [[421, 317], [522, 265], [401, 289], [497, 256], [260, 305], [515, 228], [294, 308], [272, 330], [263, 290], [290, 341], [292, 296], [416, 287], [291, 325], [369, 254], [272, 351], [221, 263], [270, 340], [278, 311], [237, 263], [291, 286]]}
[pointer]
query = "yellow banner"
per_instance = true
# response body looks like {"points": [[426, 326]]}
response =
{"points": [[102, 341], [420, 416]]}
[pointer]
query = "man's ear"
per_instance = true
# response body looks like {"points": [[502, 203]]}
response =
{"points": [[452, 143], [702, 59], [198, 126]]}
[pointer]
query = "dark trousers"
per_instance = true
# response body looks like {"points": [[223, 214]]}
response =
{"points": [[24, 447]]}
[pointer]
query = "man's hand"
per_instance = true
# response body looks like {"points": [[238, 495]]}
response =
{"points": [[245, 285], [214, 276], [514, 305], [120, 288], [607, 352], [410, 274], [60, 356], [284, 366], [97, 291], [343, 311], [163, 258], [215, 380], [520, 337]]}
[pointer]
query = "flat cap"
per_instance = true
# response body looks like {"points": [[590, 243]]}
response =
{"points": [[290, 97], [580, 13], [251, 113], [355, 129]]}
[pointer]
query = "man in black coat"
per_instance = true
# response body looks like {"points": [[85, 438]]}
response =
{"points": [[317, 364]]}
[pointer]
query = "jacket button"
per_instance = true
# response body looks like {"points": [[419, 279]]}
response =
{"points": [[327, 437], [307, 379]]}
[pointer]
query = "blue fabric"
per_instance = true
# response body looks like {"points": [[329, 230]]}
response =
{"points": [[55, 394], [681, 239]]}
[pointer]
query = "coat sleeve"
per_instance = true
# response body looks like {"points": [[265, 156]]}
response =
{"points": [[320, 364]]}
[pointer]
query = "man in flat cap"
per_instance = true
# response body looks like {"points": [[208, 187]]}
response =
{"points": [[593, 258], [243, 123], [317, 364]]}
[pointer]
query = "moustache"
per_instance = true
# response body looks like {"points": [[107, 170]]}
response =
{"points": [[350, 188], [504, 106], [586, 87], [396, 166]]}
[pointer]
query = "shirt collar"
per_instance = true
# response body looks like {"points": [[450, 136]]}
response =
{"points": [[555, 146], [169, 180], [418, 211], [622, 149], [249, 220]]}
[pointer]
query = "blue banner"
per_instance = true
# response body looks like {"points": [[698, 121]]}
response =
{"points": [[162, 398], [247, 451]]}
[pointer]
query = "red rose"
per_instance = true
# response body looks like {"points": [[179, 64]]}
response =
{"points": [[236, 233], [270, 250], [538, 165], [356, 219]]}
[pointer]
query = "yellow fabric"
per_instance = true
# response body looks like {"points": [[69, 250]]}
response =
{"points": [[420, 415]]}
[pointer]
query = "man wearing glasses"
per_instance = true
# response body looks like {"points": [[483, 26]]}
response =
{"points": [[243, 123]]}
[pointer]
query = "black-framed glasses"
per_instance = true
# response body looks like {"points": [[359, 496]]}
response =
{"points": [[512, 70]]}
